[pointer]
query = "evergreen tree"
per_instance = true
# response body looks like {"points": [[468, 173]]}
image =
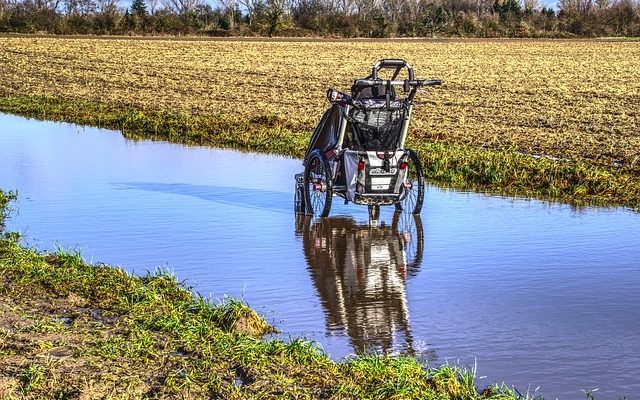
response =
{"points": [[507, 8], [138, 8]]}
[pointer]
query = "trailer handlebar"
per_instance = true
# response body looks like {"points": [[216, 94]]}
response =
{"points": [[408, 82], [337, 97], [392, 63]]}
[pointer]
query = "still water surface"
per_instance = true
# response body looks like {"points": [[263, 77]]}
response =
{"points": [[535, 294]]}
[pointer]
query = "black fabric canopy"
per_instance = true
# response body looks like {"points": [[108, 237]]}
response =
{"points": [[325, 137]]}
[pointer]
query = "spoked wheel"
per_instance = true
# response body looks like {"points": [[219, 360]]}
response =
{"points": [[413, 186], [318, 186], [409, 228]]}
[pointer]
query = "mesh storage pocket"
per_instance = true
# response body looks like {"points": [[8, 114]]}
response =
{"points": [[376, 117], [377, 129]]}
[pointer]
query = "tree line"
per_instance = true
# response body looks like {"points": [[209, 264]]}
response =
{"points": [[328, 18]]}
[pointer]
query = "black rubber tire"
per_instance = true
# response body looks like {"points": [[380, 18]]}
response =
{"points": [[317, 171], [412, 202]]}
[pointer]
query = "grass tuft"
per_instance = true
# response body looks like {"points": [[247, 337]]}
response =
{"points": [[6, 198], [32, 377]]}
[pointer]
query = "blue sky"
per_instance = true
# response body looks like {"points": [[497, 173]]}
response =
{"points": [[549, 4]]}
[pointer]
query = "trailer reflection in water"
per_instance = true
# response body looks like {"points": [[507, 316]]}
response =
{"points": [[360, 272]]}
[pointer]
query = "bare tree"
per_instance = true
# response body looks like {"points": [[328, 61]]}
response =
{"points": [[409, 17], [81, 8], [276, 9], [229, 8], [392, 9], [253, 7], [153, 6], [365, 7], [4, 6], [580, 6], [458, 6], [625, 15], [38, 15], [339, 7], [278, 6], [106, 6], [45, 5], [182, 7]]}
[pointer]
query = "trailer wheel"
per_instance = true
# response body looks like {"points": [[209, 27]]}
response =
{"points": [[318, 186], [413, 186], [409, 228]]}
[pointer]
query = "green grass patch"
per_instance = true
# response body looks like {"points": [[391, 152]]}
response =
{"points": [[5, 200], [511, 173], [32, 377]]}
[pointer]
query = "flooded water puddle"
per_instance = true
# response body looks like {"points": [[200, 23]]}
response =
{"points": [[535, 294]]}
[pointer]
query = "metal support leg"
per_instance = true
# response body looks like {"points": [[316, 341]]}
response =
{"points": [[374, 212]]}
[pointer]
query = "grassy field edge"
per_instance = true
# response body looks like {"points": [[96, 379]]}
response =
{"points": [[505, 172], [69, 329]]}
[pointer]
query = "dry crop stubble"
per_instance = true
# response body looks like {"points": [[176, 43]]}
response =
{"points": [[575, 100]]}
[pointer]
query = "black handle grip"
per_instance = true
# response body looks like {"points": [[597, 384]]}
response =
{"points": [[336, 97], [430, 82], [392, 63]]}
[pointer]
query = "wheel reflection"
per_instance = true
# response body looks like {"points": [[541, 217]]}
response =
{"points": [[360, 273]]}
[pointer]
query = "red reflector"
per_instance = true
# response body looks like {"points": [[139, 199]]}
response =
{"points": [[404, 165], [361, 165]]}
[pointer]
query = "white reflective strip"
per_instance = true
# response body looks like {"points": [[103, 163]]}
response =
{"points": [[381, 181]]}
